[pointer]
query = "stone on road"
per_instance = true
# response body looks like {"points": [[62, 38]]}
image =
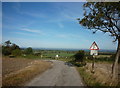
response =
{"points": [[59, 75]]}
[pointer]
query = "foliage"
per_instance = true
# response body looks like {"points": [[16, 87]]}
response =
{"points": [[105, 17], [8, 47], [79, 55], [6, 50], [16, 52], [102, 16], [29, 50], [7, 43]]}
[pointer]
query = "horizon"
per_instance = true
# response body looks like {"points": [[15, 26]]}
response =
{"points": [[49, 25], [68, 49]]}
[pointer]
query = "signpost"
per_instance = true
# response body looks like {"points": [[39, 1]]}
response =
{"points": [[94, 51]]}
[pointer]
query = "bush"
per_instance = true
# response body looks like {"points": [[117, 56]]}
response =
{"points": [[29, 50], [90, 57], [16, 52], [79, 56], [6, 51]]}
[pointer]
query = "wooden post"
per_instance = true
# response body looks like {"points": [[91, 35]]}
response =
{"points": [[93, 64], [94, 51]]}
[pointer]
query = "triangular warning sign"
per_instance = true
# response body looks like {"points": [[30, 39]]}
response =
{"points": [[94, 46]]}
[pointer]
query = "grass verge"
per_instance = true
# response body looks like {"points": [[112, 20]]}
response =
{"points": [[20, 77], [88, 78]]}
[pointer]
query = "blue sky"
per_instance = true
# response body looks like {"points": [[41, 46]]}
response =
{"points": [[49, 25]]}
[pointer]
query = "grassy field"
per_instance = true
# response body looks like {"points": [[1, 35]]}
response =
{"points": [[50, 54], [60, 54]]}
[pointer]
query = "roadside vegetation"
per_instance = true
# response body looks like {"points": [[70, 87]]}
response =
{"points": [[103, 68], [104, 17], [16, 72], [80, 59], [20, 65]]}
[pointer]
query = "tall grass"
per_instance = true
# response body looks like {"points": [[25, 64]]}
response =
{"points": [[88, 78]]}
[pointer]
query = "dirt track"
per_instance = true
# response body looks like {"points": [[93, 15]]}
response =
{"points": [[60, 75]]}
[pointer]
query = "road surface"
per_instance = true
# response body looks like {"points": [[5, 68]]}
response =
{"points": [[59, 75]]}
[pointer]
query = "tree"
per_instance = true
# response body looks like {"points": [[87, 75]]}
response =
{"points": [[105, 17], [29, 50], [14, 46], [79, 56], [8, 47], [7, 43]]}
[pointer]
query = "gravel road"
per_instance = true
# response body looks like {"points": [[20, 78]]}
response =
{"points": [[59, 75]]}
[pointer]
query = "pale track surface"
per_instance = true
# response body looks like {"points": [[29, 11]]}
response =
{"points": [[59, 75]]}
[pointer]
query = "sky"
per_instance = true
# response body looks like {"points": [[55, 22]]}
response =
{"points": [[49, 25]]}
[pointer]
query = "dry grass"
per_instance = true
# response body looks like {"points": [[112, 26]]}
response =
{"points": [[103, 73], [20, 77], [101, 77], [0, 70], [10, 65], [103, 56]]}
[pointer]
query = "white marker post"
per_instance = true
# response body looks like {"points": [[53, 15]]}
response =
{"points": [[94, 51], [56, 57]]}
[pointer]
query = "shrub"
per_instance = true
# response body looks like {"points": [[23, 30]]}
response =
{"points": [[6, 51], [29, 50], [90, 57], [16, 52], [79, 56]]}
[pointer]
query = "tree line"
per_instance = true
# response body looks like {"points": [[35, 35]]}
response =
{"points": [[9, 48]]}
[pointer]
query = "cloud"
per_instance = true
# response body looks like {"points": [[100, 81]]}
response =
{"points": [[62, 36], [68, 36], [66, 12], [26, 34], [33, 14], [32, 31], [17, 7]]}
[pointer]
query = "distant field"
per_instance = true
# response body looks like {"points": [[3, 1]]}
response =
{"points": [[60, 54], [53, 53], [103, 56], [50, 54], [64, 54]]}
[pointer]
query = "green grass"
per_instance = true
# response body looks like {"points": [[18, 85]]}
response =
{"points": [[60, 54]]}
